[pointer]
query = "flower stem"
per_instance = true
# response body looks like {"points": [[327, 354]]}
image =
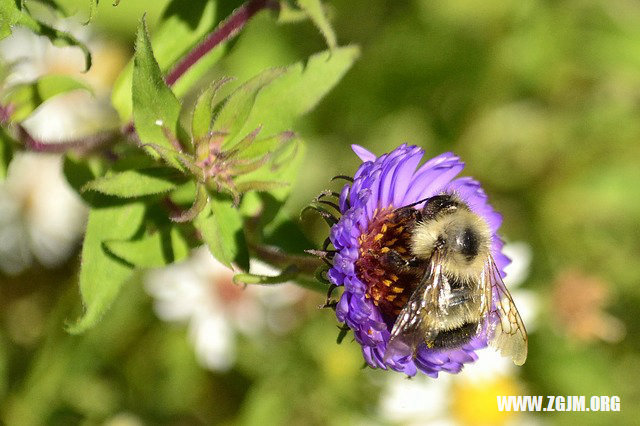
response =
{"points": [[226, 30], [83, 144]]}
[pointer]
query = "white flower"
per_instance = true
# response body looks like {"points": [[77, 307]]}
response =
{"points": [[517, 272], [200, 292], [416, 401], [71, 114], [40, 215]]}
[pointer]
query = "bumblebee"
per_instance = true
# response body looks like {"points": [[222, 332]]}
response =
{"points": [[459, 292]]}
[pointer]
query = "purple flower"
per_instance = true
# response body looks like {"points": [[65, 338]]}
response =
{"points": [[370, 308]]}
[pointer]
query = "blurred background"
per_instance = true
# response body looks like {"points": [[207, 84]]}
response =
{"points": [[541, 99]]}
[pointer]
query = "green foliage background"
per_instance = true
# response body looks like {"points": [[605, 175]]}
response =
{"points": [[542, 101]]}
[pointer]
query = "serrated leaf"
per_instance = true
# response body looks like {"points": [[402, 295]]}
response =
{"points": [[239, 104], [199, 204], [78, 171], [6, 152], [182, 25], [101, 274], [135, 183], [175, 159], [57, 37], [155, 107], [164, 246], [9, 13], [222, 230], [299, 90], [27, 97], [272, 145], [202, 116], [316, 13], [284, 167]]}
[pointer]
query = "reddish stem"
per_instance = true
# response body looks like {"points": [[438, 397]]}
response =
{"points": [[82, 144], [226, 30]]}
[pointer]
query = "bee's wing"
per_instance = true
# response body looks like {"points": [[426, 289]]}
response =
{"points": [[413, 326], [506, 330]]}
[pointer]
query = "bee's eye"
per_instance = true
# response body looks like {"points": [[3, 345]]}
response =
{"points": [[439, 204], [468, 243]]}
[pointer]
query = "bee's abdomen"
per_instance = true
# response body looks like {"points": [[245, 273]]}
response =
{"points": [[455, 338]]}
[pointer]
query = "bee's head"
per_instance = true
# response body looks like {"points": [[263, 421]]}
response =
{"points": [[449, 226]]}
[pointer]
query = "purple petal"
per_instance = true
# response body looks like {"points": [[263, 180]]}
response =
{"points": [[364, 154]]}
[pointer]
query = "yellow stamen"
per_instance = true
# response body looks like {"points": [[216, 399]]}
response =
{"points": [[397, 289]]}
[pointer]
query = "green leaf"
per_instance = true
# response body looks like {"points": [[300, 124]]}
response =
{"points": [[203, 110], [160, 248], [155, 107], [78, 171], [260, 186], [102, 275], [6, 152], [284, 167], [9, 13], [285, 233], [289, 14], [316, 13], [135, 183], [93, 8], [299, 90], [199, 203], [64, 7], [239, 104], [222, 229], [57, 37], [182, 25], [29, 96], [175, 159]]}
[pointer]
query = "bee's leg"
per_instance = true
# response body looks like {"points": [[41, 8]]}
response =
{"points": [[396, 262], [407, 214]]}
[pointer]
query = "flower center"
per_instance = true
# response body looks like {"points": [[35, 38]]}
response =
{"points": [[388, 287]]}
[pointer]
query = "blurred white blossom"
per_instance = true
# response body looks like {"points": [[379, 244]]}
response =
{"points": [[40, 216], [75, 113], [200, 292]]}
